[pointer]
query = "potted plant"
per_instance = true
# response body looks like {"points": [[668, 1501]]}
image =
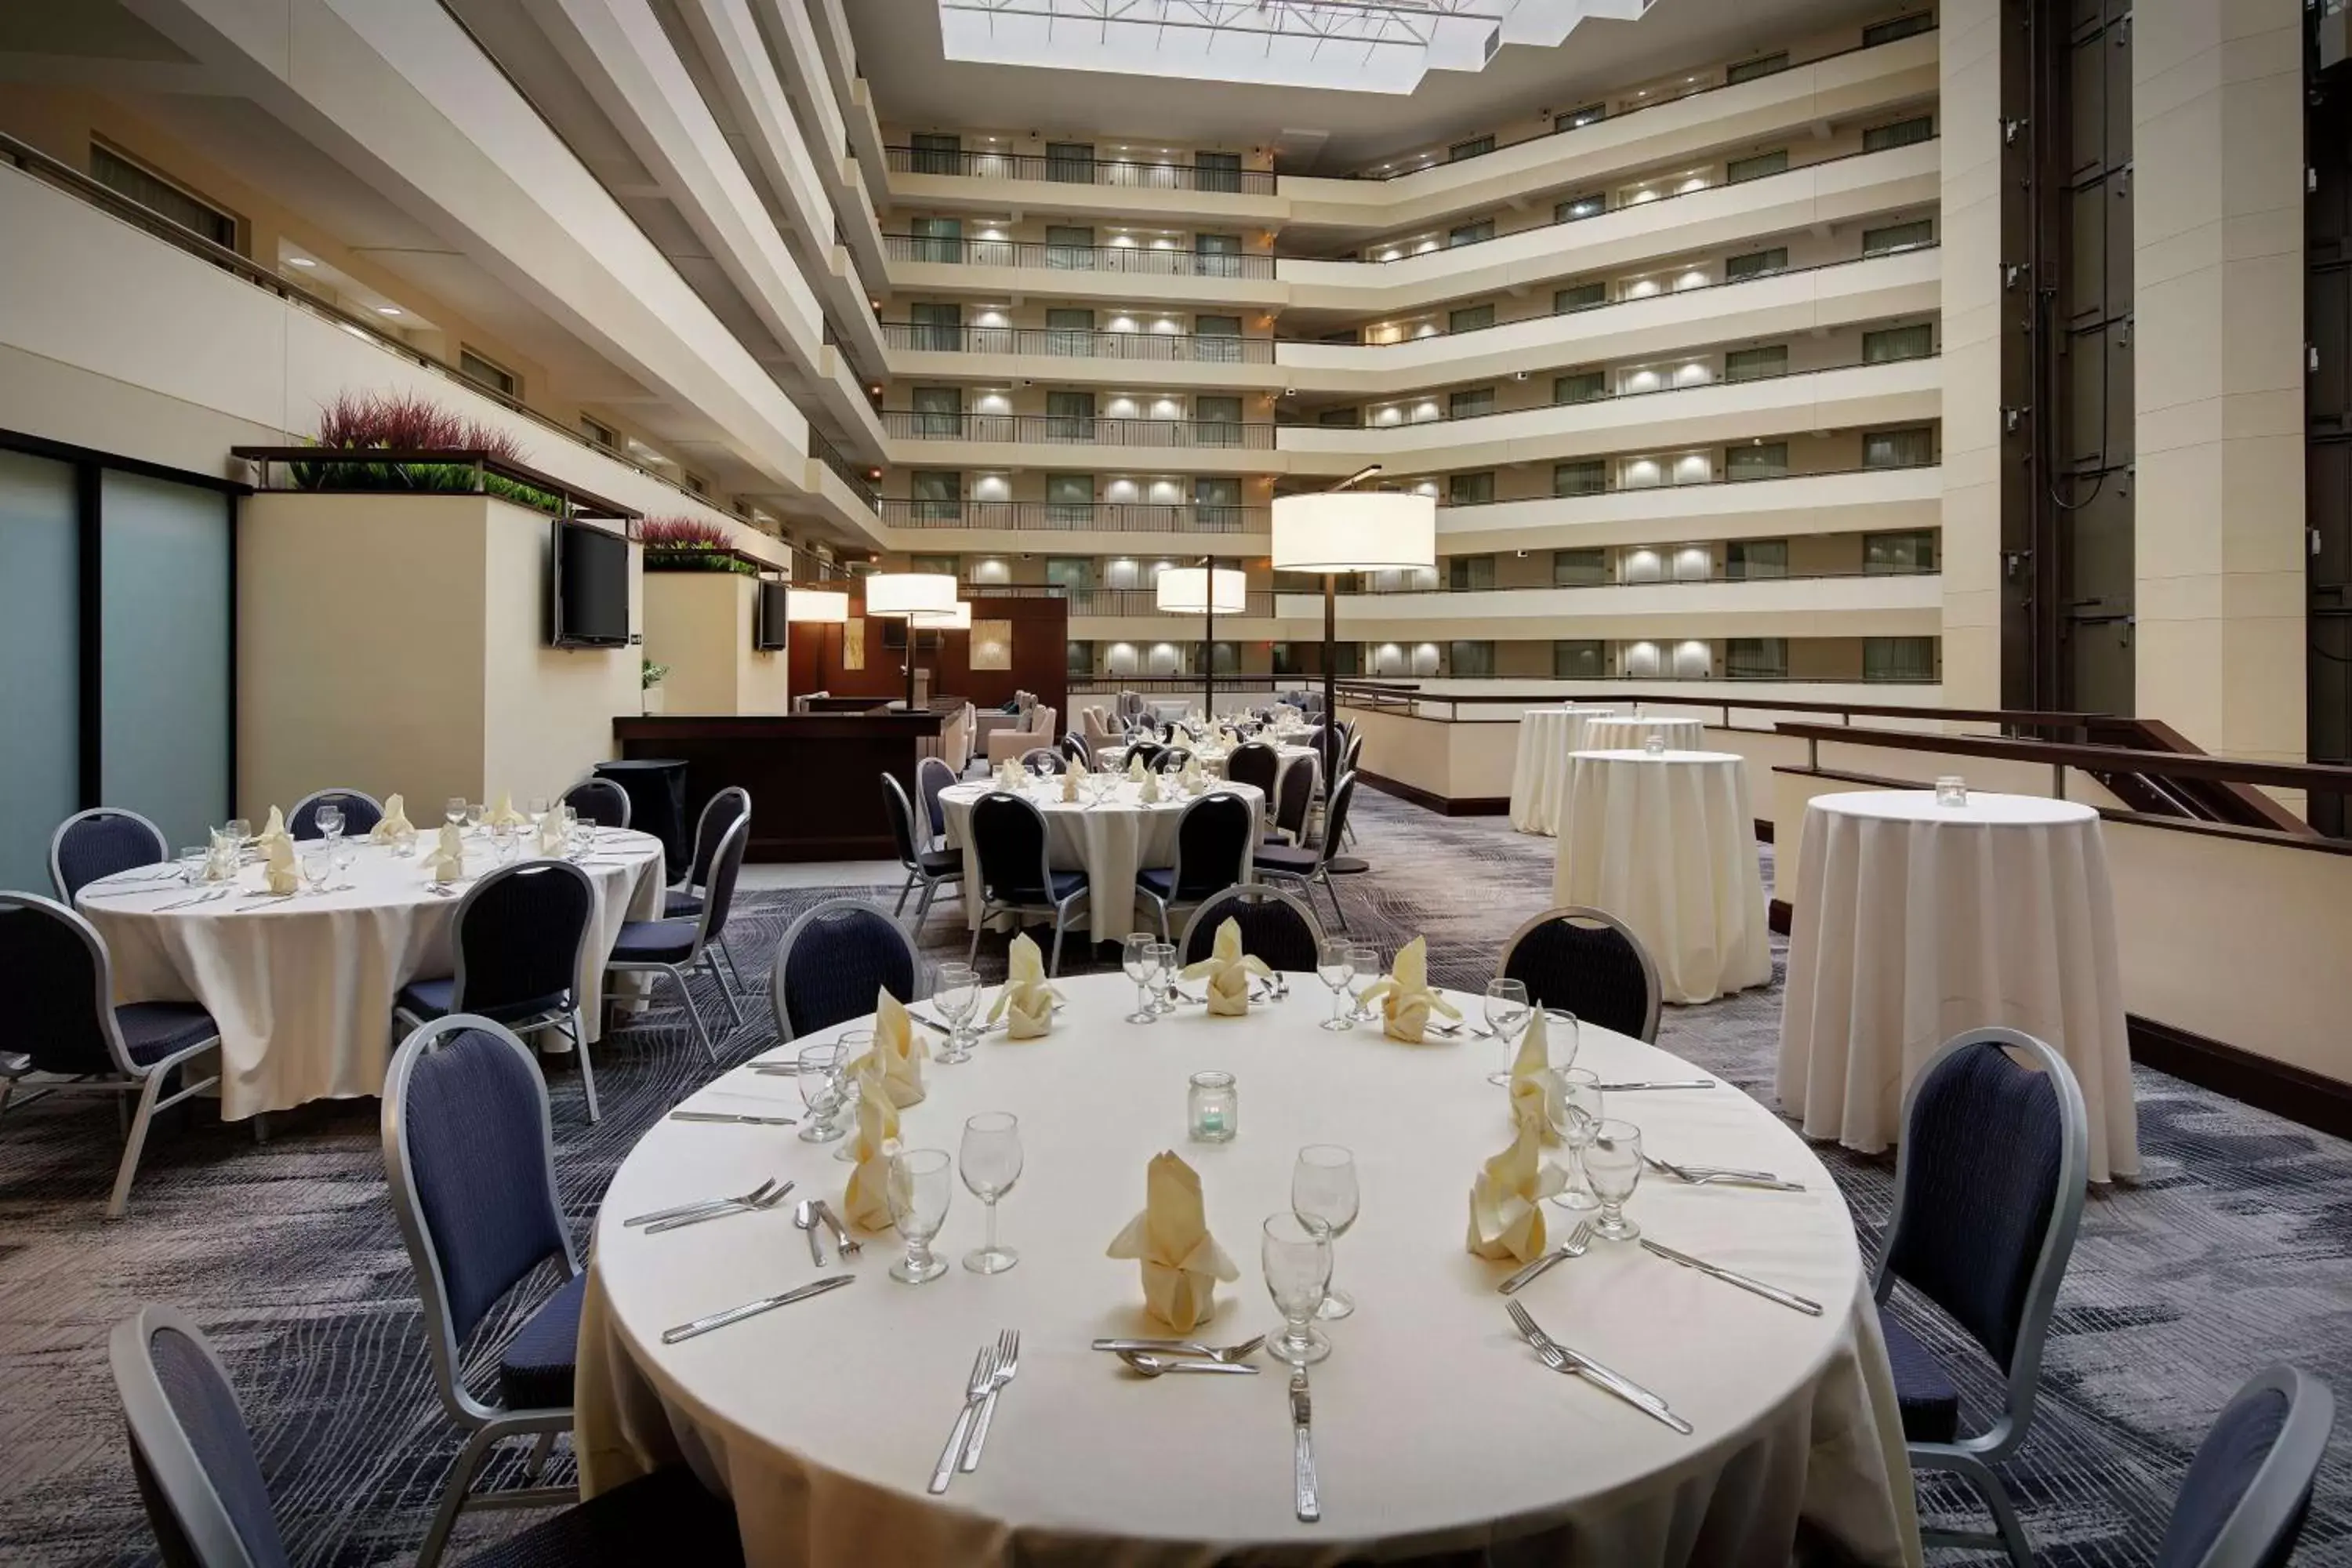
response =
{"points": [[654, 676], [689, 545], [360, 422]]}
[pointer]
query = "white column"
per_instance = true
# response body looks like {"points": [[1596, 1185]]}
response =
{"points": [[1969, 120]]}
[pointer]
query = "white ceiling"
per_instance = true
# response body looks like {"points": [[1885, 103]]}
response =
{"points": [[899, 49]]}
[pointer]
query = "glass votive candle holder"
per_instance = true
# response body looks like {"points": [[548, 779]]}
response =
{"points": [[1951, 789], [1213, 1107], [1655, 743]]}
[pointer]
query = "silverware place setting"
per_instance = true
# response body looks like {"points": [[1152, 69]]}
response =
{"points": [[755, 1196], [804, 1219], [1185, 1350], [1302, 1448], [1579, 1242], [213, 897], [733, 1117], [1573, 1364], [720, 1211], [992, 1369], [1008, 1364], [1153, 1363], [1636, 1086], [753, 1308], [1716, 1175], [844, 1243], [1788, 1299]]}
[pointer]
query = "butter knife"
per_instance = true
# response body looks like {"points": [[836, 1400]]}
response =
{"points": [[1302, 1448], [753, 1308], [735, 1117], [1658, 1083], [1789, 1298]]}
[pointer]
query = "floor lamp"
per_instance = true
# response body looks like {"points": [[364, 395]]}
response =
{"points": [[818, 607], [1207, 590], [908, 596]]}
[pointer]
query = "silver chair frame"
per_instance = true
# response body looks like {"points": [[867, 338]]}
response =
{"points": [[318, 795], [896, 800], [1052, 754], [923, 795], [1176, 859], [485, 1426], [2286, 1478], [1598, 916], [147, 1082], [162, 1438], [57, 872], [1321, 875], [1972, 1457], [792, 935], [1248, 893], [567, 1019], [628, 807], [733, 983], [989, 906], [699, 956]]}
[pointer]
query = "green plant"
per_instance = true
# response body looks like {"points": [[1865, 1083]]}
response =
{"points": [[406, 422], [689, 545], [654, 674]]}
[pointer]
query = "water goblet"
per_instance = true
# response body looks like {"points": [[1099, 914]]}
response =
{"points": [[330, 819], [240, 833], [856, 1045], [1508, 1011], [477, 813], [1135, 957], [534, 807], [317, 865], [920, 1185], [191, 863], [453, 810], [1323, 1187], [502, 843], [1163, 962], [345, 854], [821, 1091], [1366, 963], [1582, 1111], [990, 1163], [1295, 1254], [1613, 1164], [957, 994], [1335, 968], [404, 843]]}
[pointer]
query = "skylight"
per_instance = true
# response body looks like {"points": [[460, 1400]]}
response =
{"points": [[1361, 46]]}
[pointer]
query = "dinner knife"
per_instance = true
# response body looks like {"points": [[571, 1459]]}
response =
{"points": [[1789, 1298], [731, 1116], [753, 1308], [1302, 1448], [1657, 1083]]}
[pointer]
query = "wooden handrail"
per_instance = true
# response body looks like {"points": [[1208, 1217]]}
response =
{"points": [[2059, 756], [2018, 716]]}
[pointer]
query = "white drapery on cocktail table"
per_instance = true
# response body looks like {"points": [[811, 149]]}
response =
{"points": [[1436, 1429], [1548, 736]]}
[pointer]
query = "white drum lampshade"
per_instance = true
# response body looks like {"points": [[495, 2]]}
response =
{"points": [[1202, 591], [956, 620], [1354, 531], [819, 605], [897, 594]]}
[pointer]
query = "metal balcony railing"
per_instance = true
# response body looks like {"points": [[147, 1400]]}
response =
{"points": [[849, 473], [1068, 170], [1605, 394], [1110, 601], [1056, 342], [1131, 260], [1364, 588], [1076, 516], [1079, 430]]}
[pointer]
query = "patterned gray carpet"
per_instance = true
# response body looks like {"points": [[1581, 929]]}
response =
{"points": [[2235, 1251]]}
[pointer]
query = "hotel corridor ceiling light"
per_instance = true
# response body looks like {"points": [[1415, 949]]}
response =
{"points": [[1360, 46]]}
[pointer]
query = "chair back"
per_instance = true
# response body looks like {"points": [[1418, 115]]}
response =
{"points": [[1275, 926], [600, 801], [1297, 789], [1254, 762], [1171, 760], [1589, 963], [832, 963], [931, 775], [1335, 817], [719, 892], [1212, 846], [1149, 751], [1008, 835], [720, 812], [100, 842], [1052, 761], [901, 813], [521, 935], [1987, 1194], [191, 1451], [1075, 747], [2249, 1488], [59, 983], [1354, 752], [360, 811], [470, 1155]]}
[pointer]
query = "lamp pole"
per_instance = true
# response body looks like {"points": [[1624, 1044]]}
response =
{"points": [[1209, 644], [1331, 650]]}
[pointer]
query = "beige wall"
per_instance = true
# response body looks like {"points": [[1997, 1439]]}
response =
{"points": [[1969, 118], [700, 624]]}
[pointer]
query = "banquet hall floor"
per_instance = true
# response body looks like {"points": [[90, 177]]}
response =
{"points": [[2232, 1251]]}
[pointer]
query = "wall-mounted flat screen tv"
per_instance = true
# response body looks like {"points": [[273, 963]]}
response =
{"points": [[589, 598], [767, 627]]}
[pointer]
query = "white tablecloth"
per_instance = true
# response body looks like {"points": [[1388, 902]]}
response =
{"points": [[1539, 776], [1110, 842], [302, 988], [1620, 733], [1436, 1427], [1918, 922], [1667, 844], [1286, 757]]}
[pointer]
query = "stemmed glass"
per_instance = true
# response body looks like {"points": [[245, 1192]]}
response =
{"points": [[191, 864], [1323, 1188], [345, 854], [1507, 1012], [330, 819], [534, 807], [990, 1161], [958, 996], [1297, 1256], [453, 810], [1136, 958], [502, 842], [317, 865], [1579, 1092], [1613, 1164], [1163, 960], [477, 813], [855, 1045], [821, 1091], [1366, 963], [1334, 966], [240, 833], [920, 1186]]}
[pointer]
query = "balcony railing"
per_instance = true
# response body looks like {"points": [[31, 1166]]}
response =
{"points": [[1376, 590], [1131, 260], [1110, 601], [1118, 172], [1142, 348], [1078, 430], [1612, 480], [849, 473], [1076, 516], [1447, 415]]}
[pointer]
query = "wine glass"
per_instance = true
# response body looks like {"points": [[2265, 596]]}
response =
{"points": [[1613, 1164], [956, 993], [1323, 1188], [317, 865], [453, 810], [477, 813], [1297, 1256], [989, 1161], [534, 807], [502, 842], [330, 819], [1580, 1093], [1335, 967], [855, 1044], [1163, 960], [821, 1090], [1508, 1011], [240, 833], [191, 863], [346, 855], [1366, 963], [1135, 957], [920, 1185]]}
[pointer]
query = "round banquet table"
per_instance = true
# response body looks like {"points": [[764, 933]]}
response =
{"points": [[1618, 732], [1917, 923], [1435, 1428], [1110, 842], [302, 986], [1539, 775], [1286, 756], [1666, 843]]}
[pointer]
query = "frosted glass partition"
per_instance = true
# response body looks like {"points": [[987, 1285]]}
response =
{"points": [[40, 642], [164, 669]]}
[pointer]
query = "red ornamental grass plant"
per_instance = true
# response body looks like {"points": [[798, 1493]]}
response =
{"points": [[410, 422], [689, 545]]}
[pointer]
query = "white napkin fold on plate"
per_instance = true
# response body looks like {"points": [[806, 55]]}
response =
{"points": [[1228, 970], [273, 832], [551, 835], [448, 861], [1180, 1261], [395, 818], [1537, 1097], [1506, 1217], [898, 1051], [1136, 772], [504, 814], [1406, 1000], [866, 1202], [1149, 794], [279, 874], [1026, 1002]]}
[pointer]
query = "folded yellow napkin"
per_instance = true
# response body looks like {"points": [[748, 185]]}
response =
{"points": [[1136, 772], [448, 861], [867, 1201], [1507, 1217], [395, 819], [1070, 785], [550, 834], [1228, 970], [1149, 794], [1191, 768], [279, 873], [273, 832], [1536, 1097], [504, 814], [1181, 1261], [1026, 1002], [898, 1053], [1406, 1000]]}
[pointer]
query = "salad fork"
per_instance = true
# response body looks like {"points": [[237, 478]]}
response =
{"points": [[1008, 1364], [1560, 1359], [975, 1389], [1706, 1175], [755, 1196], [720, 1212], [1580, 1240]]}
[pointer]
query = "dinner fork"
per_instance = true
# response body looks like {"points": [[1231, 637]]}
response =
{"points": [[721, 1211], [1579, 1241], [1239, 1352], [1008, 1364], [1704, 1175], [1559, 1358], [755, 1196], [975, 1389], [213, 897]]}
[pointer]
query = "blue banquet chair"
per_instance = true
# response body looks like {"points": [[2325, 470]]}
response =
{"points": [[2249, 1489], [1016, 875], [1589, 962], [676, 947], [360, 811], [1213, 853], [601, 801], [832, 961], [100, 842]]}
